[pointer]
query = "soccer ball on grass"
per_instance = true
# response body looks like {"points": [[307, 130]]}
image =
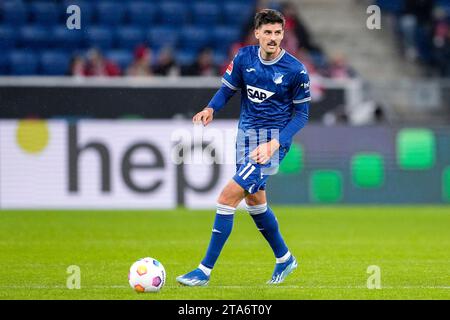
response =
{"points": [[147, 275]]}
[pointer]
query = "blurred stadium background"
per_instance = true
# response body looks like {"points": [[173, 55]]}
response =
{"points": [[379, 129], [87, 121]]}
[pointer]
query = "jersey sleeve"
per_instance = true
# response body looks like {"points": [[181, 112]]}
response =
{"points": [[301, 87], [232, 77]]}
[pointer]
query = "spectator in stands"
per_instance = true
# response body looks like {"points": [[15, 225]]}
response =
{"points": [[339, 68], [141, 66], [296, 34], [166, 65], [77, 66], [417, 13], [203, 66], [98, 65], [442, 56], [441, 42]]}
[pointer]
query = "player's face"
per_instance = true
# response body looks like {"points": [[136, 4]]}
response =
{"points": [[270, 36]]}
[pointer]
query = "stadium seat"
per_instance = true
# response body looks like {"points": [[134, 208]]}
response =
{"points": [[142, 13], [100, 37], [44, 13], [205, 13], [220, 58], [110, 13], [123, 58], [8, 37], [194, 38], [54, 63], [224, 36], [185, 57], [237, 13], [14, 13], [163, 36], [23, 62], [4, 63], [174, 13], [392, 6], [35, 37], [129, 37], [67, 39]]}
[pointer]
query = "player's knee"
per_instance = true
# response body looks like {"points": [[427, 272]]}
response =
{"points": [[227, 199], [231, 195], [251, 201]]}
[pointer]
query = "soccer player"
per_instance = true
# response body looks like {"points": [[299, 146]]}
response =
{"points": [[274, 107]]}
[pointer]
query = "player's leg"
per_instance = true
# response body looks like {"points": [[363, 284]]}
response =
{"points": [[267, 224], [228, 200]]}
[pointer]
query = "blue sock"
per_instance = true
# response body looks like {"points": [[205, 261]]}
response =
{"points": [[223, 225], [267, 224]]}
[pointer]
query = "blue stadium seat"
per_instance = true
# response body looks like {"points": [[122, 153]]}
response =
{"points": [[67, 39], [237, 13], [444, 5], [35, 37], [110, 13], [142, 13], [54, 63], [99, 37], [129, 37], [424, 44], [392, 6], [174, 13], [44, 13], [220, 58], [224, 36], [14, 13], [4, 63], [123, 58], [206, 13], [8, 37], [23, 62], [162, 36], [185, 57], [194, 38]]}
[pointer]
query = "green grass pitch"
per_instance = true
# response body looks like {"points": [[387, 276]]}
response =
{"points": [[334, 246]]}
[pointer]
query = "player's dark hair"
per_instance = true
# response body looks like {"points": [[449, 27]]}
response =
{"points": [[267, 16]]}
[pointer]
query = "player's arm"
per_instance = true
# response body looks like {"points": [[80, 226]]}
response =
{"points": [[218, 101], [297, 122], [301, 98]]}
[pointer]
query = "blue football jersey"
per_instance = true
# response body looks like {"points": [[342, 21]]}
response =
{"points": [[269, 89]]}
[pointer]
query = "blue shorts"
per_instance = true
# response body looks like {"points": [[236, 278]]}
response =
{"points": [[252, 176]]}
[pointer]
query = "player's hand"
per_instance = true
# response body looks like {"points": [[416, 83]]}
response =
{"points": [[205, 116], [265, 151]]}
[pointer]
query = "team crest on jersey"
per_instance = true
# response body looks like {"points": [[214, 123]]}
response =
{"points": [[230, 68], [278, 78], [305, 85], [258, 95]]}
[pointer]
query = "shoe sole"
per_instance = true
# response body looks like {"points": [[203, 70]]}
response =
{"points": [[189, 284]]}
